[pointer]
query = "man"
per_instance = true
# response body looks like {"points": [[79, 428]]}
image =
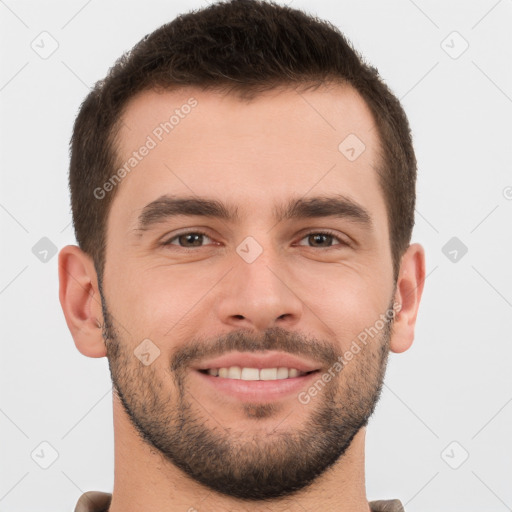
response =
{"points": [[243, 191]]}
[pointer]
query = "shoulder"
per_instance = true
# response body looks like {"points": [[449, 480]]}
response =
{"points": [[93, 501], [386, 506]]}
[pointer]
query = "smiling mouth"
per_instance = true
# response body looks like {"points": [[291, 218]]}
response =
{"points": [[255, 374]]}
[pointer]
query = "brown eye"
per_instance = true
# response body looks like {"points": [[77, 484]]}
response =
{"points": [[322, 240], [188, 240]]}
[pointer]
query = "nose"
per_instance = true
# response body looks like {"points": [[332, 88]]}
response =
{"points": [[259, 295]]}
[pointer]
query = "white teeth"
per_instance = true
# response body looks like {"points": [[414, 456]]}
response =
{"points": [[250, 374], [236, 372], [268, 374]]}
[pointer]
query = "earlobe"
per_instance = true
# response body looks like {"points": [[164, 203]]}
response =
{"points": [[80, 300], [409, 289]]}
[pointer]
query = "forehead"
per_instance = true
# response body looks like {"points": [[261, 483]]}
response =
{"points": [[252, 154]]}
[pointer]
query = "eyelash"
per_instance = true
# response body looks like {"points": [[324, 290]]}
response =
{"points": [[199, 232]]}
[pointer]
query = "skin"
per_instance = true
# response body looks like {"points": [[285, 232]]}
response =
{"points": [[321, 295]]}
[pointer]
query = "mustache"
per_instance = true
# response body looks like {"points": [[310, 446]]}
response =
{"points": [[274, 338]]}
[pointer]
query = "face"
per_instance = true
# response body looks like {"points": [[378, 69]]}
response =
{"points": [[243, 241]]}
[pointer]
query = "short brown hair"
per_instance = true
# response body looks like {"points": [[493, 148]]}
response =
{"points": [[241, 47]]}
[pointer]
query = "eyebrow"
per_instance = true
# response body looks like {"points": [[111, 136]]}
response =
{"points": [[167, 206]]}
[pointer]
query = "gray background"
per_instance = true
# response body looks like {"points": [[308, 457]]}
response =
{"points": [[447, 398]]}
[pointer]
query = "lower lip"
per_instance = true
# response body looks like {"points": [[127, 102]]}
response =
{"points": [[258, 390]]}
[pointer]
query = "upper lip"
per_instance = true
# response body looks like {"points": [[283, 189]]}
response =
{"points": [[267, 359]]}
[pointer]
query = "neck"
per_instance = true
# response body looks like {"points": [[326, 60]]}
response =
{"points": [[145, 480]]}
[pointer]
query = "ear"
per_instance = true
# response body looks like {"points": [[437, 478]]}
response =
{"points": [[408, 293], [80, 300]]}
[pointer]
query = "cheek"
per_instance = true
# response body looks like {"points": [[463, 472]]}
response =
{"points": [[343, 300], [156, 301]]}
